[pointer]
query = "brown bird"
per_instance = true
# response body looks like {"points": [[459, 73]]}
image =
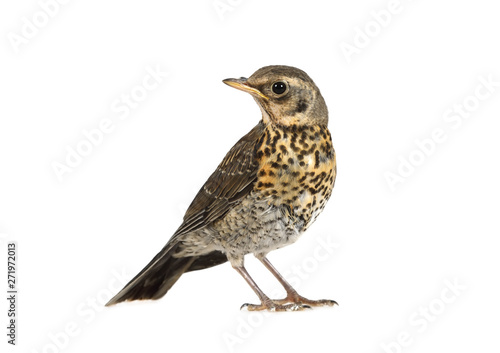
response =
{"points": [[265, 193]]}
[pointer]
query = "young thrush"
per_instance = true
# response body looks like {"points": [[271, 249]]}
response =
{"points": [[264, 194]]}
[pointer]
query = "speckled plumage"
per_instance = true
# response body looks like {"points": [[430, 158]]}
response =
{"points": [[268, 190]]}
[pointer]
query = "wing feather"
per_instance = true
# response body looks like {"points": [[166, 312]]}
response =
{"points": [[232, 180]]}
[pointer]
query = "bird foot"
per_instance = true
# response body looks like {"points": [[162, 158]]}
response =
{"points": [[273, 305], [292, 302], [300, 300]]}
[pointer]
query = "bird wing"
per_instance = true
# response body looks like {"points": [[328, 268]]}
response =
{"points": [[233, 179]]}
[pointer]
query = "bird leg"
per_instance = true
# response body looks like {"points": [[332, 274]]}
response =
{"points": [[266, 303], [291, 294]]}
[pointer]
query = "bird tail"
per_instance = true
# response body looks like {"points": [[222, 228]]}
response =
{"points": [[155, 280]]}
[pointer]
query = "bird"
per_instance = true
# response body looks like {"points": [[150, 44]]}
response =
{"points": [[267, 191]]}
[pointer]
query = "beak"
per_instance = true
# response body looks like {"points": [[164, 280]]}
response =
{"points": [[242, 85]]}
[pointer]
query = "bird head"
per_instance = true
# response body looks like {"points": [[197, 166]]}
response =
{"points": [[286, 96]]}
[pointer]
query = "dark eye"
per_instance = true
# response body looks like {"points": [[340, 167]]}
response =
{"points": [[279, 87]]}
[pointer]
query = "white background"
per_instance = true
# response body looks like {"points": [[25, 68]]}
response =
{"points": [[393, 252]]}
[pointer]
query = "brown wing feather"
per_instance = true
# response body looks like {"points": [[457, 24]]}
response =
{"points": [[232, 180]]}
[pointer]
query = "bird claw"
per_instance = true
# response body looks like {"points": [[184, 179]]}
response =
{"points": [[274, 306], [296, 298], [292, 302], [320, 302]]}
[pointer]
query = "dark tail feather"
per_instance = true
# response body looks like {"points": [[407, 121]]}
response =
{"points": [[209, 260], [156, 278], [154, 281]]}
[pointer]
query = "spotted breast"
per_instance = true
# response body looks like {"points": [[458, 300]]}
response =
{"points": [[297, 170]]}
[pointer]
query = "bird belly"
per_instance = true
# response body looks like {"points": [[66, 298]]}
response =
{"points": [[255, 226]]}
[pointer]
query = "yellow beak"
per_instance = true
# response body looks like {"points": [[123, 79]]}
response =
{"points": [[242, 85]]}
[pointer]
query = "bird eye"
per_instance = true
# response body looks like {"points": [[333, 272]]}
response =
{"points": [[279, 87]]}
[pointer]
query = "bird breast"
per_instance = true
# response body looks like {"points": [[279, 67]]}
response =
{"points": [[296, 169]]}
